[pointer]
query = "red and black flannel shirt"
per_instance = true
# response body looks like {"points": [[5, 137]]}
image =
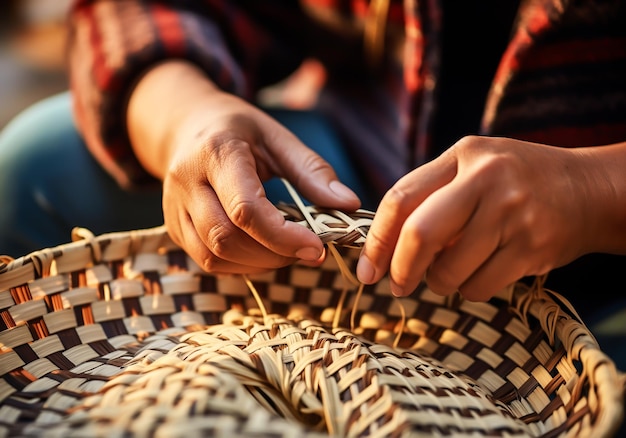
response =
{"points": [[561, 81]]}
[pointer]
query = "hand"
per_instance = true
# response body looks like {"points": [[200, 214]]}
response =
{"points": [[212, 159], [490, 211]]}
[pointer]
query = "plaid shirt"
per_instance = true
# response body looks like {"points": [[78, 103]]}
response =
{"points": [[561, 81]]}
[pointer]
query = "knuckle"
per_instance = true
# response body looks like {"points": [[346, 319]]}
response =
{"points": [[206, 260], [527, 228], [516, 203], [314, 163], [241, 212], [219, 146], [219, 240], [530, 229], [495, 166], [219, 151], [210, 263], [468, 143], [396, 199], [177, 174], [423, 237]]}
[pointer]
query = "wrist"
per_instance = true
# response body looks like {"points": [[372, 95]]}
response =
{"points": [[159, 110], [603, 191]]}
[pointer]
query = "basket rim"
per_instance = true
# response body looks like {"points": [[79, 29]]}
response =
{"points": [[87, 249]]}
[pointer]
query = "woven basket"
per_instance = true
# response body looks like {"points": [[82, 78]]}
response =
{"points": [[124, 335]]}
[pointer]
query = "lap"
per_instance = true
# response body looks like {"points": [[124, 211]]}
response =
{"points": [[52, 184]]}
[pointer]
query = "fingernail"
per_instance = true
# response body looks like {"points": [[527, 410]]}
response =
{"points": [[365, 271], [341, 190], [396, 290], [313, 263], [310, 254]]}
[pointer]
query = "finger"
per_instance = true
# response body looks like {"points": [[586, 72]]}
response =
{"points": [[313, 176], [188, 238], [398, 203], [473, 246], [503, 268], [433, 226], [240, 192], [208, 261], [222, 240]]}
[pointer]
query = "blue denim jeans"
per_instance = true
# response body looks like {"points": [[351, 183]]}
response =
{"points": [[50, 183]]}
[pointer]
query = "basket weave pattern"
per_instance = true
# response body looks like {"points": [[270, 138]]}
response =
{"points": [[124, 335]]}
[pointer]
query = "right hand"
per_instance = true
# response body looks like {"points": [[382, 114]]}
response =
{"points": [[213, 155], [491, 210]]}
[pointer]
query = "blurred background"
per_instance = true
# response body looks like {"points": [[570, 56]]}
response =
{"points": [[32, 66], [32, 39]]}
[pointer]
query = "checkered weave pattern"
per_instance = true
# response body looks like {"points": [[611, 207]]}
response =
{"points": [[124, 335]]}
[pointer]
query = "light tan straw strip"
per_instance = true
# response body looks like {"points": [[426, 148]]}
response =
{"points": [[124, 335], [345, 271]]}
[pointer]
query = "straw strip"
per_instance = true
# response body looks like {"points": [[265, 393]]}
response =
{"points": [[123, 334]]}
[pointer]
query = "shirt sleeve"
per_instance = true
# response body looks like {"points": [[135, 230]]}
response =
{"points": [[112, 43]]}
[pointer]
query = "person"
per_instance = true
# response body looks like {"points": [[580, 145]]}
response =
{"points": [[489, 136]]}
